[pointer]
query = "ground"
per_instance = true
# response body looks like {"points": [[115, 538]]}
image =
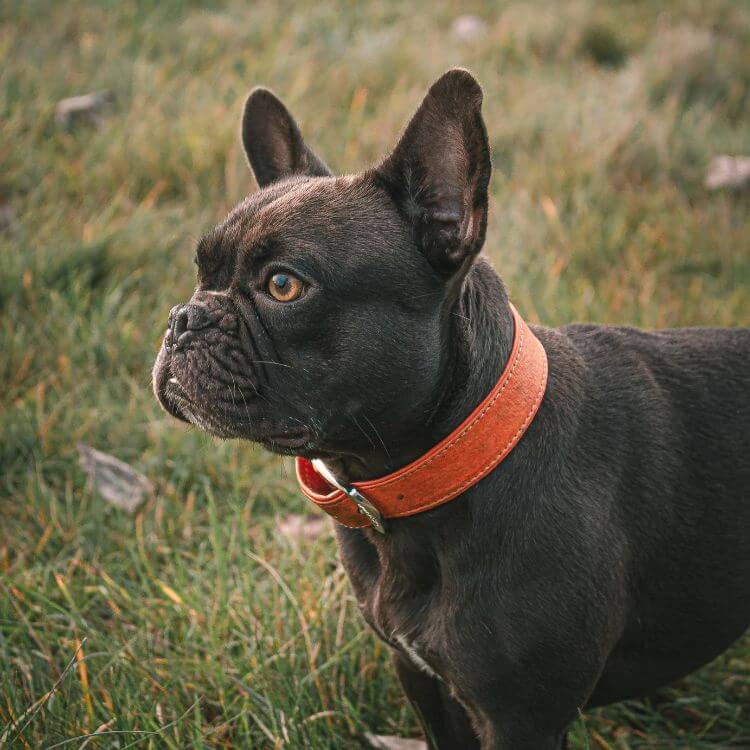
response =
{"points": [[195, 623]]}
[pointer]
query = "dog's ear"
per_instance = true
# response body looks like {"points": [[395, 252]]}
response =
{"points": [[273, 143], [439, 172]]}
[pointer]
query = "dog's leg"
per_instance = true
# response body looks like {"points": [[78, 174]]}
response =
{"points": [[519, 734], [444, 720]]}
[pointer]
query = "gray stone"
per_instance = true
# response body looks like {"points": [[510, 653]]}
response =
{"points": [[117, 482], [468, 28], [729, 173], [87, 108]]}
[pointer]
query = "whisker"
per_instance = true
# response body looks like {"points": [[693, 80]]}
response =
{"points": [[377, 434], [361, 429], [269, 362]]}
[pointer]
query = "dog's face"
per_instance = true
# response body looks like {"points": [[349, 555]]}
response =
{"points": [[320, 318]]}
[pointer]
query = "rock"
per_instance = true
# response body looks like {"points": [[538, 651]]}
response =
{"points": [[7, 215], [117, 482], [728, 172], [468, 28], [297, 527], [389, 742], [87, 108]]}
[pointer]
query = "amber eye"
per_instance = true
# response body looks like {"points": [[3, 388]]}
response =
{"points": [[285, 288]]}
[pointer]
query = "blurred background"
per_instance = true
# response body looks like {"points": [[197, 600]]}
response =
{"points": [[183, 598]]}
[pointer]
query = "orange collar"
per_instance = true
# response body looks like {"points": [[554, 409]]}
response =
{"points": [[457, 462]]}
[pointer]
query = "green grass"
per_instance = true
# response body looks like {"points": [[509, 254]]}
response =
{"points": [[202, 626]]}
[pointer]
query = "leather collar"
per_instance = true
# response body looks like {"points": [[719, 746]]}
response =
{"points": [[457, 462]]}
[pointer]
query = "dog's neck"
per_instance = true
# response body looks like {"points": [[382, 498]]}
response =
{"points": [[479, 330]]}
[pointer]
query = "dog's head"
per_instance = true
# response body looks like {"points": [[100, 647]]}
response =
{"points": [[322, 310]]}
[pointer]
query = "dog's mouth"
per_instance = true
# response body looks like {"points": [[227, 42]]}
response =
{"points": [[216, 417], [216, 422]]}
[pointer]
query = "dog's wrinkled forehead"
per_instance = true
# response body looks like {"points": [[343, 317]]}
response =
{"points": [[331, 213]]}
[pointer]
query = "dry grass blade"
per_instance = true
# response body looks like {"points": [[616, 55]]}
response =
{"points": [[390, 742], [37, 706]]}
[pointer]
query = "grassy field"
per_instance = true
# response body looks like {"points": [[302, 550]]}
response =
{"points": [[196, 624]]}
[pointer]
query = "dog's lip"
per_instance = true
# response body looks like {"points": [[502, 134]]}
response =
{"points": [[289, 439], [272, 436], [176, 397], [177, 389]]}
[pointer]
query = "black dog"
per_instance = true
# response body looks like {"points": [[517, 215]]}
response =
{"points": [[349, 319]]}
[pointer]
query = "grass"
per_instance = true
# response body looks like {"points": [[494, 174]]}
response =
{"points": [[196, 624]]}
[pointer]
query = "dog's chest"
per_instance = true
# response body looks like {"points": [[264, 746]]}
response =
{"points": [[403, 620], [398, 589], [409, 649], [401, 634]]}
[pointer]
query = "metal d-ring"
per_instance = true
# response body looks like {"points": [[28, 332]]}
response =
{"points": [[364, 506]]}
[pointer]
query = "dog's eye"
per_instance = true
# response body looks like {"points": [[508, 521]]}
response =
{"points": [[285, 288]]}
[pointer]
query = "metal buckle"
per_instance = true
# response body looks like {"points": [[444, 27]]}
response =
{"points": [[365, 507]]}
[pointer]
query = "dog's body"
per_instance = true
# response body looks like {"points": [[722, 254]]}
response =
{"points": [[609, 553], [608, 556]]}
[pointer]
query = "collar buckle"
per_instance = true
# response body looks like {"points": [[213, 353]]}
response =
{"points": [[364, 506]]}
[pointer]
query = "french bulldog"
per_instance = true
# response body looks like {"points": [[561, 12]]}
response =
{"points": [[352, 320]]}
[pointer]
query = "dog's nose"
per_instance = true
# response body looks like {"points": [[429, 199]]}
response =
{"points": [[184, 318]]}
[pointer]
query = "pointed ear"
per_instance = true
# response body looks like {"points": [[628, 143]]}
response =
{"points": [[439, 172], [273, 144]]}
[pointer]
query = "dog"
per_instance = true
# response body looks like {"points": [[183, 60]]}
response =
{"points": [[599, 552]]}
